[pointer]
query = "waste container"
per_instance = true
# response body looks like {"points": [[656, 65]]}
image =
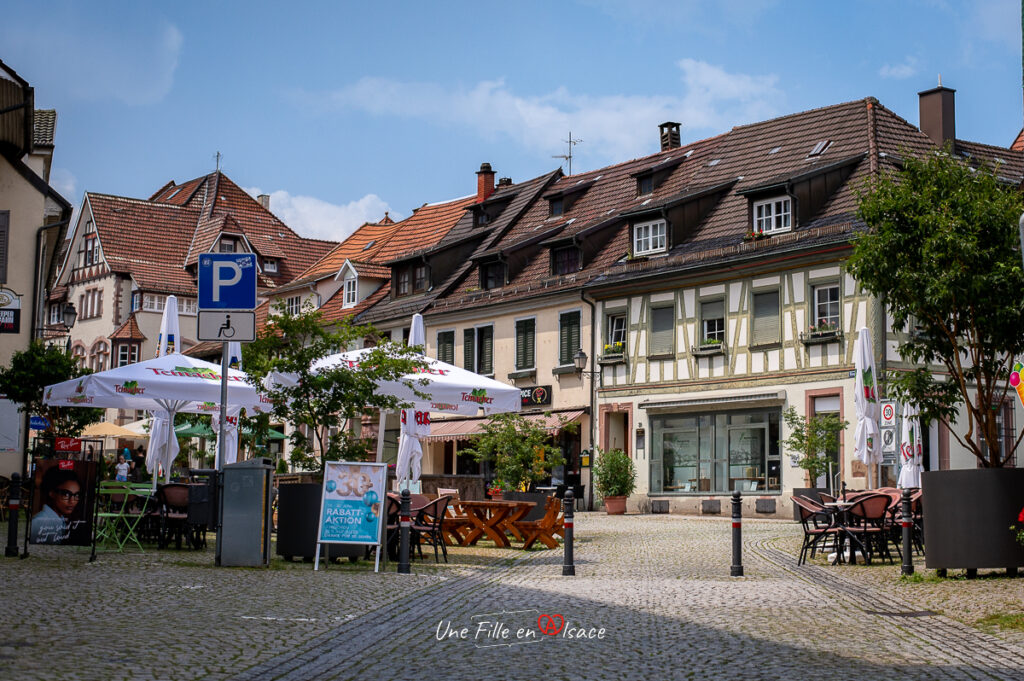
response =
{"points": [[202, 498], [245, 513]]}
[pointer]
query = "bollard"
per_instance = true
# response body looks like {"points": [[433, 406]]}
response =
{"points": [[405, 526], [737, 535], [568, 569], [908, 538], [13, 503]]}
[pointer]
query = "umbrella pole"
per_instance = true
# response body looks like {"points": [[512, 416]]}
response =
{"points": [[380, 436]]}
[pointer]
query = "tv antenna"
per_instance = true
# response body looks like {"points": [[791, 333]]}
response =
{"points": [[568, 157], [218, 157]]}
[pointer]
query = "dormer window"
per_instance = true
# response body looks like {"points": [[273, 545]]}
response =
{"points": [[773, 215], [565, 260], [556, 206], [420, 281], [270, 266], [649, 237], [645, 184], [404, 286], [351, 291], [492, 275], [226, 246], [481, 218]]}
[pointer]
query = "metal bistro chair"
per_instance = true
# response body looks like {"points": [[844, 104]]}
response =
{"points": [[173, 502], [867, 524], [427, 524], [818, 524]]}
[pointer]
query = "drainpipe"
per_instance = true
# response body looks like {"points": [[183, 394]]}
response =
{"points": [[593, 400]]}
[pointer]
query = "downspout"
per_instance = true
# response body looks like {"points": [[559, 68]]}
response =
{"points": [[593, 399]]}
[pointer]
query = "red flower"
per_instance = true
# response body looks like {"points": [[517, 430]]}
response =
{"points": [[1020, 518]]}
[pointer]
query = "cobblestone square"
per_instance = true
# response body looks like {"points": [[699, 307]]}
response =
{"points": [[658, 587]]}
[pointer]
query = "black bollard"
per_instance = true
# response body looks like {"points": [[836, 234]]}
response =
{"points": [[13, 503], [737, 535], [908, 535], [568, 568], [404, 527]]}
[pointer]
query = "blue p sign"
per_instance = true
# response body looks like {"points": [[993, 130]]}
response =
{"points": [[227, 281]]}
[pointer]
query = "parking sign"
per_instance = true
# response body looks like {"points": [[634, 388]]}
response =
{"points": [[227, 281]]}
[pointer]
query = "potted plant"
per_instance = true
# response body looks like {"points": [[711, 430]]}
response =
{"points": [[811, 439], [521, 451], [614, 479]]}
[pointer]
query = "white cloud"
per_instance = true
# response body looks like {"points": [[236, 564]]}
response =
{"points": [[997, 21], [613, 127], [906, 69], [134, 66], [319, 219]]}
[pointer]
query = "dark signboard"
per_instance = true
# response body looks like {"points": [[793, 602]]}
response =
{"points": [[10, 320], [536, 395], [62, 505]]}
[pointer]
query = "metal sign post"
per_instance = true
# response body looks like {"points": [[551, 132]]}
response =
{"points": [[227, 288]]}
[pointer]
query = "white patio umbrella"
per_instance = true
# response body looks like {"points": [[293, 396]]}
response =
{"points": [[169, 340], [910, 448], [230, 436], [414, 425], [867, 445], [163, 385], [164, 446]]}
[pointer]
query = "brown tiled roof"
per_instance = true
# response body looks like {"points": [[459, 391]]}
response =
{"points": [[371, 270], [427, 225], [129, 330], [856, 137], [334, 310], [363, 244], [155, 240], [43, 126]]}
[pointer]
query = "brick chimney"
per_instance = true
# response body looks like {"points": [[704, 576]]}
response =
{"points": [[264, 200], [938, 114], [668, 132], [484, 182]]}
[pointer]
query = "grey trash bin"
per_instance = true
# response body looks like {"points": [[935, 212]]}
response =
{"points": [[245, 514]]}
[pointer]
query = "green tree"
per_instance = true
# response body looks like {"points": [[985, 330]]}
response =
{"points": [[28, 374], [321, 401], [614, 473], [943, 252], [521, 451], [813, 438]]}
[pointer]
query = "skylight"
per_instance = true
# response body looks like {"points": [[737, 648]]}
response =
{"points": [[714, 162], [820, 147], [688, 154], [369, 244], [775, 150], [174, 193]]}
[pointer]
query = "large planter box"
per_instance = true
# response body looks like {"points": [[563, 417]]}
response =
{"points": [[967, 516], [298, 517]]}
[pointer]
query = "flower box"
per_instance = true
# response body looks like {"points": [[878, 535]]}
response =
{"points": [[819, 337], [612, 358], [708, 349]]}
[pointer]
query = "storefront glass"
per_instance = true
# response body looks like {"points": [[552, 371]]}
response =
{"points": [[715, 452]]}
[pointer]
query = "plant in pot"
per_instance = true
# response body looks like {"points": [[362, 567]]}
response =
{"points": [[813, 438], [521, 451], [614, 479]]}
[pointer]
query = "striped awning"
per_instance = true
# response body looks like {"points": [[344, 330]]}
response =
{"points": [[463, 429]]}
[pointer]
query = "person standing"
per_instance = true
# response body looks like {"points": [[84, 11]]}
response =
{"points": [[121, 469]]}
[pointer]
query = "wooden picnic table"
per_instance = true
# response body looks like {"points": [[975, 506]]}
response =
{"points": [[490, 518]]}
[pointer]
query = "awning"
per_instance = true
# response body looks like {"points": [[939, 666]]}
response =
{"points": [[463, 429]]}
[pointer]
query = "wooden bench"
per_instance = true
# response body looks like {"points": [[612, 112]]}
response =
{"points": [[545, 529]]}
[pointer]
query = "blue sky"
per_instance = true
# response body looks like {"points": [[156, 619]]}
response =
{"points": [[342, 110]]}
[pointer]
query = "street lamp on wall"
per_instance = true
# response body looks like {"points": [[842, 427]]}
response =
{"points": [[579, 360], [70, 317]]}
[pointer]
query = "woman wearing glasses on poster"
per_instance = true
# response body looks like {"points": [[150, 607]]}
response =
{"points": [[60, 519]]}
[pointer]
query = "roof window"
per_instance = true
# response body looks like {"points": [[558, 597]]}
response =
{"points": [[714, 162], [820, 147], [369, 245], [775, 150]]}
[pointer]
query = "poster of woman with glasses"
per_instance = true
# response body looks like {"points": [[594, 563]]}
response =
{"points": [[61, 505]]}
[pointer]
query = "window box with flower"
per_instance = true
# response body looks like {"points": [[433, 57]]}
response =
{"points": [[614, 353], [754, 235], [825, 331], [708, 347]]}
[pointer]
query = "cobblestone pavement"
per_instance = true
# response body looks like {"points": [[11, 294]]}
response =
{"points": [[658, 586]]}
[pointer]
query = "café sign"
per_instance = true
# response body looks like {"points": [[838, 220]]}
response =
{"points": [[537, 395], [10, 311]]}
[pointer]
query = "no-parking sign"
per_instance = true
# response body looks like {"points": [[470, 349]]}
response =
{"points": [[888, 415]]}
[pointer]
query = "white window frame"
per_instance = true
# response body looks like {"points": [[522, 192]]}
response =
{"points": [[270, 266], [649, 237], [816, 317], [189, 306], [293, 305], [351, 291], [774, 215], [56, 313], [136, 301], [153, 302], [615, 334], [712, 332]]}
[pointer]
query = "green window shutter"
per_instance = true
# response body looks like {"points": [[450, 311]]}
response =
{"points": [[468, 349], [485, 337], [446, 347], [568, 337], [5, 229], [662, 328], [766, 318], [525, 331]]}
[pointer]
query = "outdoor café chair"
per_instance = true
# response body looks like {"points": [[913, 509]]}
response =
{"points": [[818, 525], [426, 526], [867, 524], [173, 507]]}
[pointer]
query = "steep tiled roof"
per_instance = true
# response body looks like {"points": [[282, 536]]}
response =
{"points": [[427, 225], [333, 310], [363, 244], [155, 240], [852, 140], [371, 270], [129, 330], [44, 124]]}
